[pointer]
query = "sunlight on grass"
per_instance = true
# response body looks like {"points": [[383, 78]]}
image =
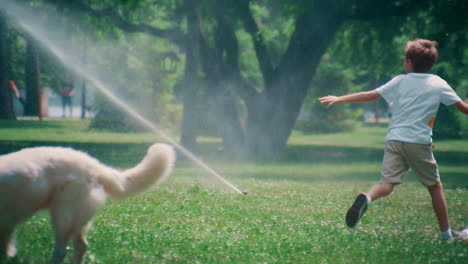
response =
{"points": [[293, 212], [277, 222], [66, 131]]}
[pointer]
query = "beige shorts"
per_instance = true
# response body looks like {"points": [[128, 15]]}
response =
{"points": [[399, 157]]}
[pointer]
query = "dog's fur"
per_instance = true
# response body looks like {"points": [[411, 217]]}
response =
{"points": [[72, 186]]}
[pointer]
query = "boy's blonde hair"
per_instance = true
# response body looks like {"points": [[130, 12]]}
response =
{"points": [[423, 53]]}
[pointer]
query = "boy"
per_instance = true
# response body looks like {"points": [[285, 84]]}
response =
{"points": [[415, 97]]}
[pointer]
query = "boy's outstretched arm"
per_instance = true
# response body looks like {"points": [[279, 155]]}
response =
{"points": [[360, 97], [462, 106]]}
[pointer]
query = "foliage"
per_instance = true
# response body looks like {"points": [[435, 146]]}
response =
{"points": [[170, 117], [266, 49], [464, 127], [111, 117], [276, 28], [52, 70], [330, 78], [17, 57], [372, 52], [144, 73], [138, 67], [329, 121], [447, 124]]}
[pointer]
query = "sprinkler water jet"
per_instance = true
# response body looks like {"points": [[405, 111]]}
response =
{"points": [[32, 30]]}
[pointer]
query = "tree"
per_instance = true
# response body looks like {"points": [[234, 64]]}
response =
{"points": [[286, 76], [191, 80], [33, 80], [273, 111], [360, 44], [6, 103], [286, 61], [24, 57], [447, 25], [273, 108]]}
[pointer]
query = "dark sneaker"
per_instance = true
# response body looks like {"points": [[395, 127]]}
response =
{"points": [[357, 210]]}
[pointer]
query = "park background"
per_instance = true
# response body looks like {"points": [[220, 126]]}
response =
{"points": [[236, 83]]}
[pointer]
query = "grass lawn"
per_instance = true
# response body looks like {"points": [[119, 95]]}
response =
{"points": [[293, 213]]}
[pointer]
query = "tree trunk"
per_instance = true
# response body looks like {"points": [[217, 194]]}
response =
{"points": [[273, 115], [33, 83], [6, 98], [273, 112], [228, 120], [220, 63], [271, 120], [191, 80]]}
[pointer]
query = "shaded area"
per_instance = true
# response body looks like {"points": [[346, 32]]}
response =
{"points": [[332, 154], [451, 180], [339, 154], [35, 124], [121, 155], [125, 155]]}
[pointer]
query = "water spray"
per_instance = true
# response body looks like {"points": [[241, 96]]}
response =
{"points": [[106, 92]]}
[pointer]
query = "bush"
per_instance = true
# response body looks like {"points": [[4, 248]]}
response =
{"points": [[110, 117], [447, 124], [170, 117], [340, 118], [464, 127], [329, 79]]}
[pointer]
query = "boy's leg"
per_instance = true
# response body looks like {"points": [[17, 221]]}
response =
{"points": [[394, 168], [439, 204], [363, 200], [380, 190], [425, 168]]}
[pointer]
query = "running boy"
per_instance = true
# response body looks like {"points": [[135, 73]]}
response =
{"points": [[416, 97]]}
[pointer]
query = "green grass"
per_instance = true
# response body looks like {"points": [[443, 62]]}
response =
{"points": [[293, 213], [66, 131]]}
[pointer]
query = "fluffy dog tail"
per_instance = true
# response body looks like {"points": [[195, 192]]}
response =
{"points": [[153, 169]]}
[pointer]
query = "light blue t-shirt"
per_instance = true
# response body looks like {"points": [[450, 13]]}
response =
{"points": [[414, 99]]}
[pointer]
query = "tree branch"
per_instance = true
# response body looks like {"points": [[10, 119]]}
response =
{"points": [[263, 56], [175, 35], [372, 10]]}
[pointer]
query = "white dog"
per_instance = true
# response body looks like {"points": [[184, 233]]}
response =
{"points": [[72, 186]]}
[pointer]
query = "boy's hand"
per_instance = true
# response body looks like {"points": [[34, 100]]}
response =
{"points": [[330, 100]]}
